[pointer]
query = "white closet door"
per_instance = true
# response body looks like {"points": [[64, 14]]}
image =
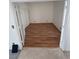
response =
{"points": [[20, 24]]}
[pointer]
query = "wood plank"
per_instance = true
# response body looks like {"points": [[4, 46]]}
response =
{"points": [[42, 35]]}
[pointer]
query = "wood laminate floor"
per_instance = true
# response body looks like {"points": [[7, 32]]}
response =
{"points": [[42, 35]]}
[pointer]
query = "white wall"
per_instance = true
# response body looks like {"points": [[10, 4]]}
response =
{"points": [[58, 14], [41, 12], [13, 33], [65, 37], [47, 12]]}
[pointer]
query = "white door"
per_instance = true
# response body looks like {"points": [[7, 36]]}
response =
{"points": [[20, 25]]}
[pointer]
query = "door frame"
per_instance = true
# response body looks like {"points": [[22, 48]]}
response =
{"points": [[63, 23]]}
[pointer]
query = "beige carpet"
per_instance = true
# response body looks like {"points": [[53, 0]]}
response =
{"points": [[41, 53]]}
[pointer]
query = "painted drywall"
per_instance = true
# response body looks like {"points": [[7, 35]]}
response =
{"points": [[65, 37], [41, 12], [58, 14], [33, 0], [13, 33]]}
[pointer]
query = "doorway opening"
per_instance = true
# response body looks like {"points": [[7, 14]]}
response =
{"points": [[40, 23]]}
